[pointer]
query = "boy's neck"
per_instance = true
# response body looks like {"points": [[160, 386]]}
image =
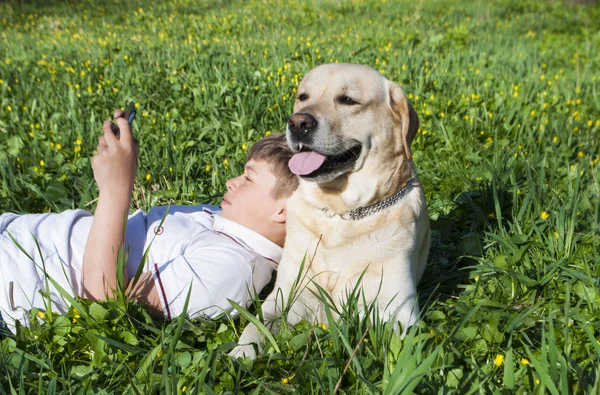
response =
{"points": [[274, 232]]}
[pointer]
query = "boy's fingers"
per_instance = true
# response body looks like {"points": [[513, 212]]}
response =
{"points": [[102, 141], [119, 114], [109, 132], [126, 135]]}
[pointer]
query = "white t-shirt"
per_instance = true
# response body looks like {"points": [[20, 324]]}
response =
{"points": [[219, 258]]}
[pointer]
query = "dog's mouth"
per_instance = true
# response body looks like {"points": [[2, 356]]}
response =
{"points": [[311, 164]]}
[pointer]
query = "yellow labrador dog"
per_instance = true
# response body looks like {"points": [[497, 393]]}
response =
{"points": [[359, 208]]}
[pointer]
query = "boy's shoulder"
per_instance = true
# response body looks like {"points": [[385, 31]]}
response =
{"points": [[183, 209]]}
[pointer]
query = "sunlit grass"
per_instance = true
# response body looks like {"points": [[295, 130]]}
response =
{"points": [[508, 152]]}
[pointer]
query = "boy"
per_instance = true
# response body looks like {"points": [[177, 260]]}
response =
{"points": [[221, 255]]}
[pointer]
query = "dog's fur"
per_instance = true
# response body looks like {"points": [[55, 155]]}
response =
{"points": [[390, 247]]}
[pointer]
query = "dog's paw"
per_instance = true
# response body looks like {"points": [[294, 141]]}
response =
{"points": [[246, 351]]}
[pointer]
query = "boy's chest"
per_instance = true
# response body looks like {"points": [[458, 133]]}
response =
{"points": [[168, 237]]}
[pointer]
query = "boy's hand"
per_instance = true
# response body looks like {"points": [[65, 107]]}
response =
{"points": [[115, 164]]}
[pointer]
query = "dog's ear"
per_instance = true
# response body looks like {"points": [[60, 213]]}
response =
{"points": [[408, 118]]}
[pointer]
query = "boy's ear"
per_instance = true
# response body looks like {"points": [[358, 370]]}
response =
{"points": [[280, 215]]}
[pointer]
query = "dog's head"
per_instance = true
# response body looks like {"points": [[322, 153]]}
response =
{"points": [[347, 118]]}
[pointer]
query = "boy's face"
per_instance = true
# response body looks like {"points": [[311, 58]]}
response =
{"points": [[249, 199]]}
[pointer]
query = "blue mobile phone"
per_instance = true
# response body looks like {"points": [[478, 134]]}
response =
{"points": [[131, 111]]}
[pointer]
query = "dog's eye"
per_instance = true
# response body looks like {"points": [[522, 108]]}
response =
{"points": [[346, 100], [302, 97]]}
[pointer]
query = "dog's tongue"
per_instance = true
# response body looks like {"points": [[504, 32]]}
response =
{"points": [[306, 162]]}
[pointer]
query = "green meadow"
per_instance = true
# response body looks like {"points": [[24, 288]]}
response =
{"points": [[508, 96]]}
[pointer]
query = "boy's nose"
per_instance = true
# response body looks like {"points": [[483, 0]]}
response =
{"points": [[230, 184]]}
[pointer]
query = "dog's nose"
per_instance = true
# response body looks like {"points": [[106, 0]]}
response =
{"points": [[301, 124]]}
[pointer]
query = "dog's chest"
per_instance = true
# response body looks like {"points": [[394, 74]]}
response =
{"points": [[337, 250], [344, 250]]}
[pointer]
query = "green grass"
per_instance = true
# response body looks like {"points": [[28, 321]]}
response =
{"points": [[508, 94]]}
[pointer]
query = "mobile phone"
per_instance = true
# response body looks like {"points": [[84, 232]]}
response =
{"points": [[131, 111]]}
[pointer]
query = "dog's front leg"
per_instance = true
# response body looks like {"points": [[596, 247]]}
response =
{"points": [[401, 308], [272, 308], [251, 335]]}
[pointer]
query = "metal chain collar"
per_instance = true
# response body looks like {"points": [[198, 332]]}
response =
{"points": [[362, 212]]}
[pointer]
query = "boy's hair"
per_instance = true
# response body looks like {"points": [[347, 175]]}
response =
{"points": [[273, 149]]}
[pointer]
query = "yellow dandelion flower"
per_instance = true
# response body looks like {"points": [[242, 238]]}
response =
{"points": [[580, 154], [499, 360], [78, 142], [207, 169], [171, 169], [244, 146], [267, 133], [9, 108], [590, 123], [323, 326], [183, 388], [537, 381], [525, 361], [76, 315], [148, 176], [532, 113], [544, 215], [42, 163], [555, 139], [225, 162], [159, 353], [51, 144], [41, 314], [58, 146], [77, 149], [286, 380]]}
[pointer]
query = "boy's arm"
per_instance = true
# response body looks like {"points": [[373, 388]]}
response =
{"points": [[115, 166], [145, 292]]}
